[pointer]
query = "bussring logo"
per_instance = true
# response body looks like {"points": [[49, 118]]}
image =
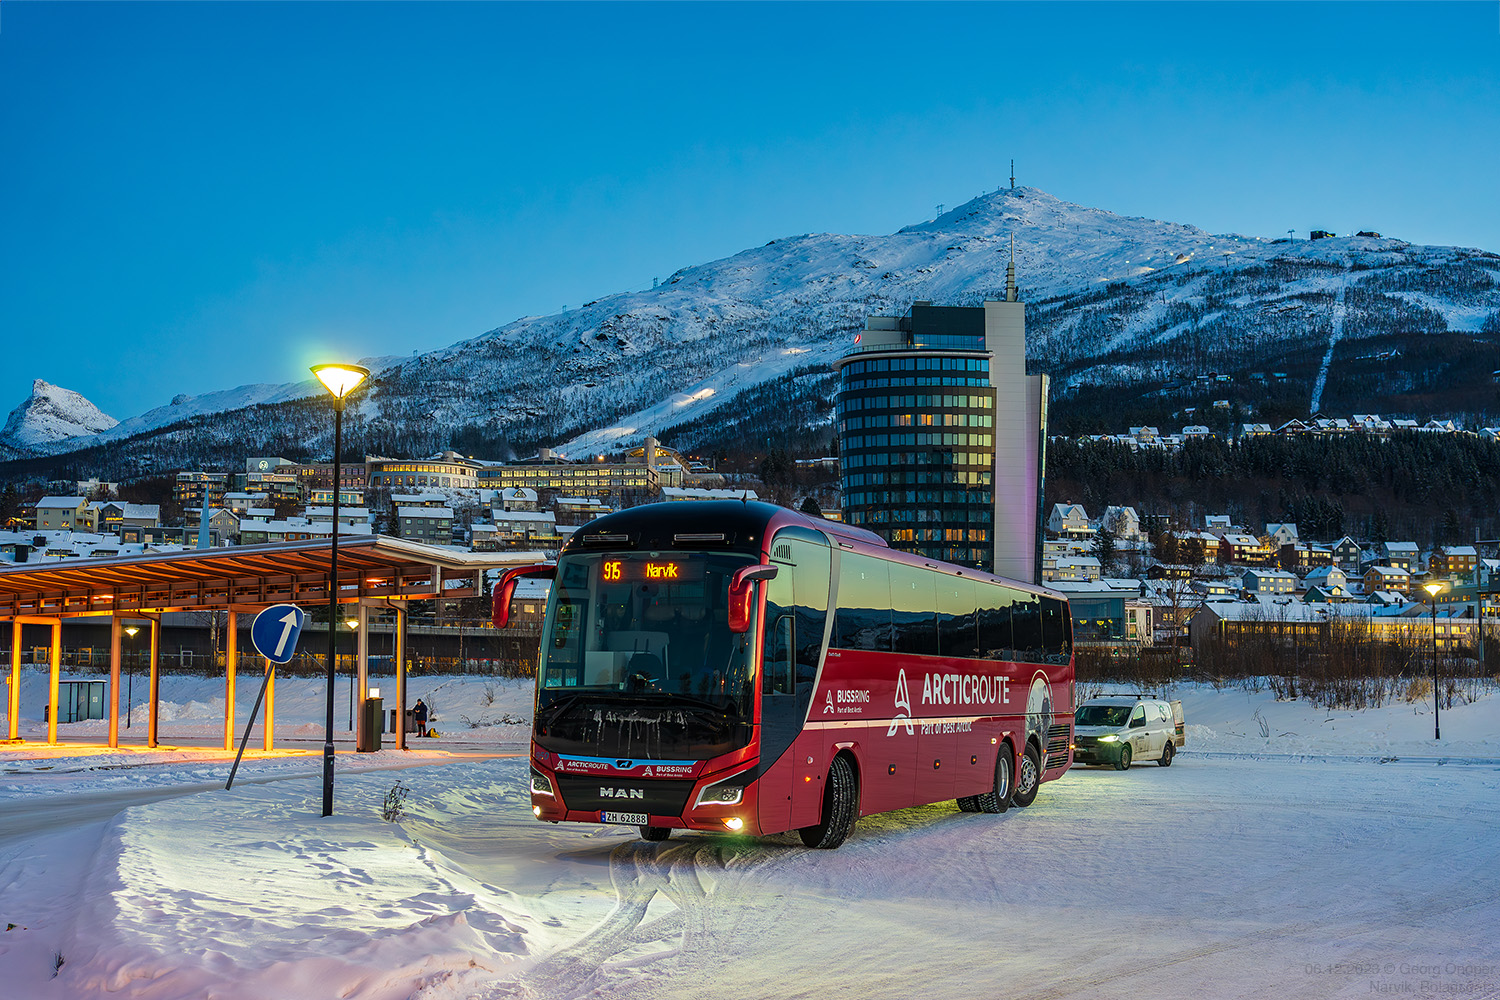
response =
{"points": [[903, 701]]}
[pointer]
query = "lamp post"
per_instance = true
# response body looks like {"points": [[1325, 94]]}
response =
{"points": [[353, 625], [340, 381], [130, 630], [1433, 589]]}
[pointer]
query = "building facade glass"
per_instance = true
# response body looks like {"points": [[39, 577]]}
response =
{"points": [[917, 444]]}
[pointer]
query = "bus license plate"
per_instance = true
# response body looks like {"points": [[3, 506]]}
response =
{"points": [[625, 819]]}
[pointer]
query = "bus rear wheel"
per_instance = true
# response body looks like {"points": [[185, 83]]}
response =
{"points": [[998, 800], [655, 833], [1030, 778], [969, 804], [840, 808]]}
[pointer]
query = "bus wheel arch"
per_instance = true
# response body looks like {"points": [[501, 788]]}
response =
{"points": [[1028, 775], [840, 804]]}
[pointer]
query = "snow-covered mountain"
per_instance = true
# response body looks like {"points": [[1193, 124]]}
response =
{"points": [[50, 415], [1114, 301]]}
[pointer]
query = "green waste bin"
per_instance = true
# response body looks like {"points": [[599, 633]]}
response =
{"points": [[370, 725]]}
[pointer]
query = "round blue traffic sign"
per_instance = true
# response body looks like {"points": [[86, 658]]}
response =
{"points": [[274, 632]]}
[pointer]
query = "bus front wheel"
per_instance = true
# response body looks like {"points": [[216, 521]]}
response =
{"points": [[840, 808], [1030, 778]]}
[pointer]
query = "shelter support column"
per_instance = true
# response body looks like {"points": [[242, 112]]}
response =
{"points": [[362, 738], [54, 684], [13, 702], [231, 658], [155, 682], [399, 655], [270, 702], [116, 637]]}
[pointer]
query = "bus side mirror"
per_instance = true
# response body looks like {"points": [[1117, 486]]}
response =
{"points": [[742, 593], [505, 589]]}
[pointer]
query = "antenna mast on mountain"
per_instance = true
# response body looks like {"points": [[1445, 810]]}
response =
{"points": [[1013, 178], [940, 210]]}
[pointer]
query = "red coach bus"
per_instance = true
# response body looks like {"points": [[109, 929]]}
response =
{"points": [[740, 666]]}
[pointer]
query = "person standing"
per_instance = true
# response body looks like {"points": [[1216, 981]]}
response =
{"points": [[419, 715]]}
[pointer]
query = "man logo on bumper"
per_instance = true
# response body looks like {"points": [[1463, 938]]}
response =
{"points": [[621, 793]]}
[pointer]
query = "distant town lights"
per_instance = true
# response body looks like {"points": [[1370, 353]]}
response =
{"points": [[340, 379]]}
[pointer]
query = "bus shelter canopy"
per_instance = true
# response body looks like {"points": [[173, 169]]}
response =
{"points": [[248, 577]]}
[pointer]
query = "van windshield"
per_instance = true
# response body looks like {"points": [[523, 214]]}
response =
{"points": [[1102, 715]]}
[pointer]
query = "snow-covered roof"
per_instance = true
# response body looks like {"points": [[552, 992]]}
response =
{"points": [[437, 512], [71, 503]]}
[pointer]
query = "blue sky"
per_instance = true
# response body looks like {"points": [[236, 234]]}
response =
{"points": [[197, 196]]}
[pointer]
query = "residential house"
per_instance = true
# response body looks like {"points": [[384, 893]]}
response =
{"points": [[60, 513], [521, 498], [1453, 562], [1269, 581], [1402, 555], [1329, 579], [433, 525], [1068, 520], [1235, 547], [1124, 523], [1388, 578], [1346, 554], [1299, 557], [1279, 534], [1082, 568]]}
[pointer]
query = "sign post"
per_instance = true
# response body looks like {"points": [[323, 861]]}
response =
{"points": [[274, 634]]}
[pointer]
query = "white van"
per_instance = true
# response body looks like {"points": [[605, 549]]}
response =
{"points": [[1121, 730]]}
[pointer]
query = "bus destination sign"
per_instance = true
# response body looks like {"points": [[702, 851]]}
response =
{"points": [[649, 570]]}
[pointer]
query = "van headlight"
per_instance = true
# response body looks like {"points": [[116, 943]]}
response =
{"points": [[1111, 738], [725, 794], [539, 783]]}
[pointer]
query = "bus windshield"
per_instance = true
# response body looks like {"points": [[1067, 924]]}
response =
{"points": [[1102, 715], [637, 658]]}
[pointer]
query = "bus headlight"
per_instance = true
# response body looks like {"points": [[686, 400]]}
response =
{"points": [[539, 783], [721, 795], [734, 823]]}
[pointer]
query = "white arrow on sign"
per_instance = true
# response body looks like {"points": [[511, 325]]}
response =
{"points": [[288, 623]]}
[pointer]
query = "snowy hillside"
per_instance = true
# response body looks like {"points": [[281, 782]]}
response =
{"points": [[1113, 301], [51, 414]]}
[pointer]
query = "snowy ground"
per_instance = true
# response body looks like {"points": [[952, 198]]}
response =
{"points": [[1304, 863]]}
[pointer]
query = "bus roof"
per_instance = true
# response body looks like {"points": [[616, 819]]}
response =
{"points": [[742, 526]]}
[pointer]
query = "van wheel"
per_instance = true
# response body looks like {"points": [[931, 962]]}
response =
{"points": [[655, 833], [968, 804], [1167, 753], [998, 800], [1030, 778], [1123, 764], [840, 808]]}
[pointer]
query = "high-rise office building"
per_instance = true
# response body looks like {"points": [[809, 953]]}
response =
{"points": [[941, 434]]}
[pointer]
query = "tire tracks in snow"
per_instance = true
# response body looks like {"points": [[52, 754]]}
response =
{"points": [[704, 879]]}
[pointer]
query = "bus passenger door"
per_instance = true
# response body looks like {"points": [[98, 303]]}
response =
{"points": [[793, 635]]}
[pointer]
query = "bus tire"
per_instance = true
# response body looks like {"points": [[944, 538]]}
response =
{"points": [[998, 800], [968, 804], [1167, 753], [1030, 778], [840, 807], [655, 833]]}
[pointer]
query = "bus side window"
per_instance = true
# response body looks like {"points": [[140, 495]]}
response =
{"points": [[913, 621], [863, 618], [1026, 620], [995, 639], [1056, 630], [957, 610]]}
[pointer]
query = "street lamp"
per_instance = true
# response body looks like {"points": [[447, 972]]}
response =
{"points": [[1433, 589], [353, 626], [130, 630], [340, 381]]}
